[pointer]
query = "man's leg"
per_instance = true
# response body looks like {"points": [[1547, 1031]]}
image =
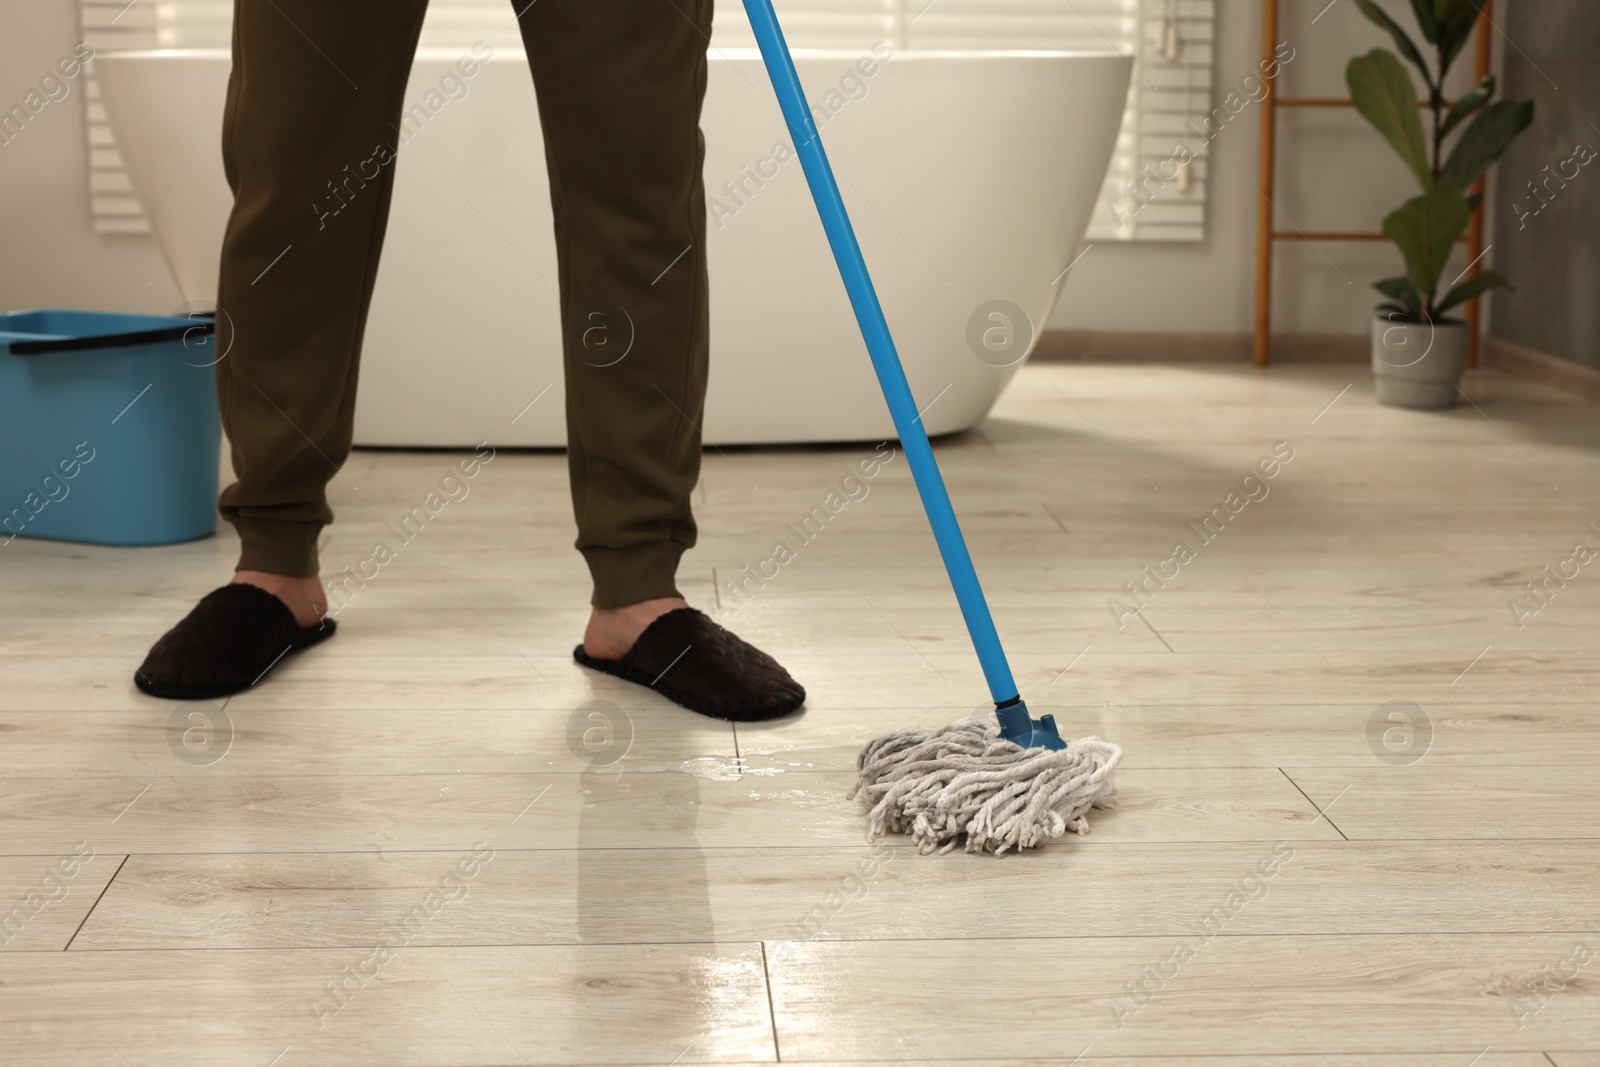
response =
{"points": [[314, 102], [309, 134], [620, 86], [620, 83]]}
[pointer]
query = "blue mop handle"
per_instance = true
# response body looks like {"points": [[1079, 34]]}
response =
{"points": [[880, 346]]}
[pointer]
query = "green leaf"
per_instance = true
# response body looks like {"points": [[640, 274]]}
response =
{"points": [[1401, 289], [1425, 229], [1469, 102], [1401, 41], [1455, 20], [1486, 140], [1425, 22], [1473, 287], [1383, 92]]}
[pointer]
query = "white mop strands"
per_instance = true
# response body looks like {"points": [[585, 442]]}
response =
{"points": [[966, 781]]}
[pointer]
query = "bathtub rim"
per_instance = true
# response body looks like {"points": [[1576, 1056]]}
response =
{"points": [[1050, 65], [435, 54]]}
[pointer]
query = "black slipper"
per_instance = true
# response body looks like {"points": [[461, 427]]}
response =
{"points": [[692, 661], [233, 637]]}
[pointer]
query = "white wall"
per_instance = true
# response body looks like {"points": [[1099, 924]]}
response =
{"points": [[1335, 173], [50, 256]]}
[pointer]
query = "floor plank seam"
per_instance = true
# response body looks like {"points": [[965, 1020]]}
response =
{"points": [[842, 848], [103, 890], [1385, 936], [1322, 813], [772, 1011]]}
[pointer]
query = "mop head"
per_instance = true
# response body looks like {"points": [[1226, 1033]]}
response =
{"points": [[965, 781]]}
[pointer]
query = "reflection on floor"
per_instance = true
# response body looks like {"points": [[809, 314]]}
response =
{"points": [[1357, 823]]}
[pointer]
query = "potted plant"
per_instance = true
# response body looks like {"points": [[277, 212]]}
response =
{"points": [[1418, 352]]}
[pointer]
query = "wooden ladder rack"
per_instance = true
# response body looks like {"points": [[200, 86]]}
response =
{"points": [[1266, 174]]}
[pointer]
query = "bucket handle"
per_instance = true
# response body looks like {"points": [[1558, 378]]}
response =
{"points": [[111, 340]]}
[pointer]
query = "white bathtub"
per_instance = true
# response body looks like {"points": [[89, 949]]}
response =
{"points": [[970, 178]]}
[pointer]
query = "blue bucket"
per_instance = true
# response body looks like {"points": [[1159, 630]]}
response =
{"points": [[109, 431]]}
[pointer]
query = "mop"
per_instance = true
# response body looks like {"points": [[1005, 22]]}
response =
{"points": [[998, 787]]}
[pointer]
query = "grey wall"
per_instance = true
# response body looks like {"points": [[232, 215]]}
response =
{"points": [[1553, 256]]}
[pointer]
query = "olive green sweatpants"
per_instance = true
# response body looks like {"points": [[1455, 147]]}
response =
{"points": [[318, 88]]}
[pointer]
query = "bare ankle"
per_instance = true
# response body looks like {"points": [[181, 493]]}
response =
{"points": [[304, 596], [612, 631]]}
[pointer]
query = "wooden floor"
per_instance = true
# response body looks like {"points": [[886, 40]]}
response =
{"points": [[436, 841]]}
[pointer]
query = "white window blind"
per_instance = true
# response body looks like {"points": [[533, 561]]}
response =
{"points": [[1169, 42]]}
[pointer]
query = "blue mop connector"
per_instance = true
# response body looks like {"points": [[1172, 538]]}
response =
{"points": [[1015, 723], [1018, 726]]}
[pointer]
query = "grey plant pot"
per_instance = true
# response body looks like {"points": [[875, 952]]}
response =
{"points": [[1417, 364]]}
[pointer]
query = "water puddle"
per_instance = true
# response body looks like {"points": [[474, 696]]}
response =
{"points": [[718, 769]]}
